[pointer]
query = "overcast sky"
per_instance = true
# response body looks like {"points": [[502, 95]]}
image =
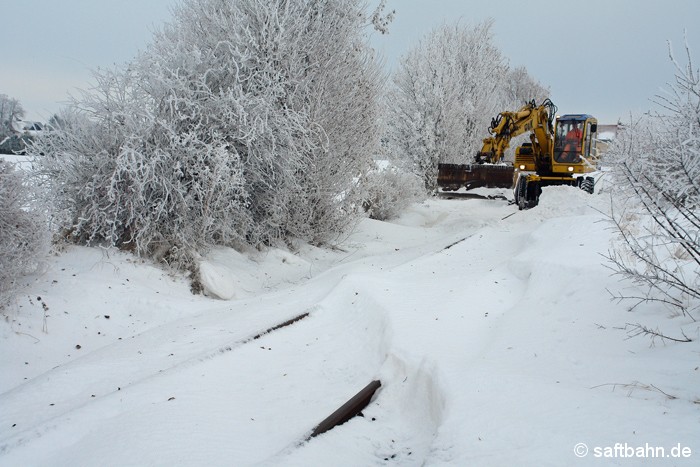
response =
{"points": [[603, 57]]}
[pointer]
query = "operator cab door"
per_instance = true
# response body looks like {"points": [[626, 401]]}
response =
{"points": [[590, 136], [569, 139]]}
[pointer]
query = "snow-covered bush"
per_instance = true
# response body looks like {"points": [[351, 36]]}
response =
{"points": [[23, 234], [243, 121], [389, 191], [119, 175], [301, 91], [338, 84], [657, 173], [444, 94]]}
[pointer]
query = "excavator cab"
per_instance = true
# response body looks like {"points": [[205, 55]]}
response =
{"points": [[574, 143], [573, 154]]}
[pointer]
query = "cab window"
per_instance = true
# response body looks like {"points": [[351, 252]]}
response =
{"points": [[568, 141]]}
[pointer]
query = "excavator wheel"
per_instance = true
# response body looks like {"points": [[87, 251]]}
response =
{"points": [[588, 185], [520, 192], [527, 193], [533, 192]]}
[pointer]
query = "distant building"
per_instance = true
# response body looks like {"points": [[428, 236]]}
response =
{"points": [[25, 127], [21, 132], [606, 134]]}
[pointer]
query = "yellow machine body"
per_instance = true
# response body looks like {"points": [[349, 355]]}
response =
{"points": [[561, 150]]}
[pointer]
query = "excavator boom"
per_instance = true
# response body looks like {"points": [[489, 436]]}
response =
{"points": [[488, 168], [507, 125]]}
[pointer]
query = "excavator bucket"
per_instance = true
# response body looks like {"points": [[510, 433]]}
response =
{"points": [[452, 177]]}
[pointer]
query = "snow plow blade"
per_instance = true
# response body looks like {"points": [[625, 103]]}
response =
{"points": [[452, 177]]}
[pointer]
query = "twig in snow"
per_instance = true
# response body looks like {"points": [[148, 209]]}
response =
{"points": [[638, 329], [630, 387]]}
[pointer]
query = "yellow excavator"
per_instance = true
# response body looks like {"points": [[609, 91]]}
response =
{"points": [[560, 152]]}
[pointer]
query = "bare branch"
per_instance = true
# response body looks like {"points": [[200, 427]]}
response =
{"points": [[634, 330]]}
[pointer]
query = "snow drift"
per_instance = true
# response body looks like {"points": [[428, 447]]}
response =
{"points": [[491, 330]]}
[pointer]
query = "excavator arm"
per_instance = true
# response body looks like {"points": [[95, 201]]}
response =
{"points": [[507, 125], [487, 169]]}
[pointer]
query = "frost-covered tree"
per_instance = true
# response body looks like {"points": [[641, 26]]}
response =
{"points": [[519, 87], [10, 110], [306, 87], [23, 234], [338, 83], [444, 94], [657, 172], [243, 121]]}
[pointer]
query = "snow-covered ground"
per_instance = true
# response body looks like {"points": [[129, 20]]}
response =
{"points": [[491, 331]]}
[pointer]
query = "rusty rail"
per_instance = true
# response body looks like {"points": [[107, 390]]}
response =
{"points": [[348, 410]]}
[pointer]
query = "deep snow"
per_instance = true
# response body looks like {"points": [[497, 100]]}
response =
{"points": [[493, 335]]}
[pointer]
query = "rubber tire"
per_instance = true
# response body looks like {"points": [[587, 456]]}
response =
{"points": [[521, 192], [532, 197]]}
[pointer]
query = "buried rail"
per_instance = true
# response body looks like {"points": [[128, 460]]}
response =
{"points": [[350, 409], [461, 194], [279, 326]]}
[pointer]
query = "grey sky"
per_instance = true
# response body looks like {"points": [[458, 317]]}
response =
{"points": [[50, 47], [603, 57]]}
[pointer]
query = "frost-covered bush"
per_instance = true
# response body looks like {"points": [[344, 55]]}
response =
{"points": [[23, 234], [243, 121], [656, 162], [118, 175], [389, 191]]}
